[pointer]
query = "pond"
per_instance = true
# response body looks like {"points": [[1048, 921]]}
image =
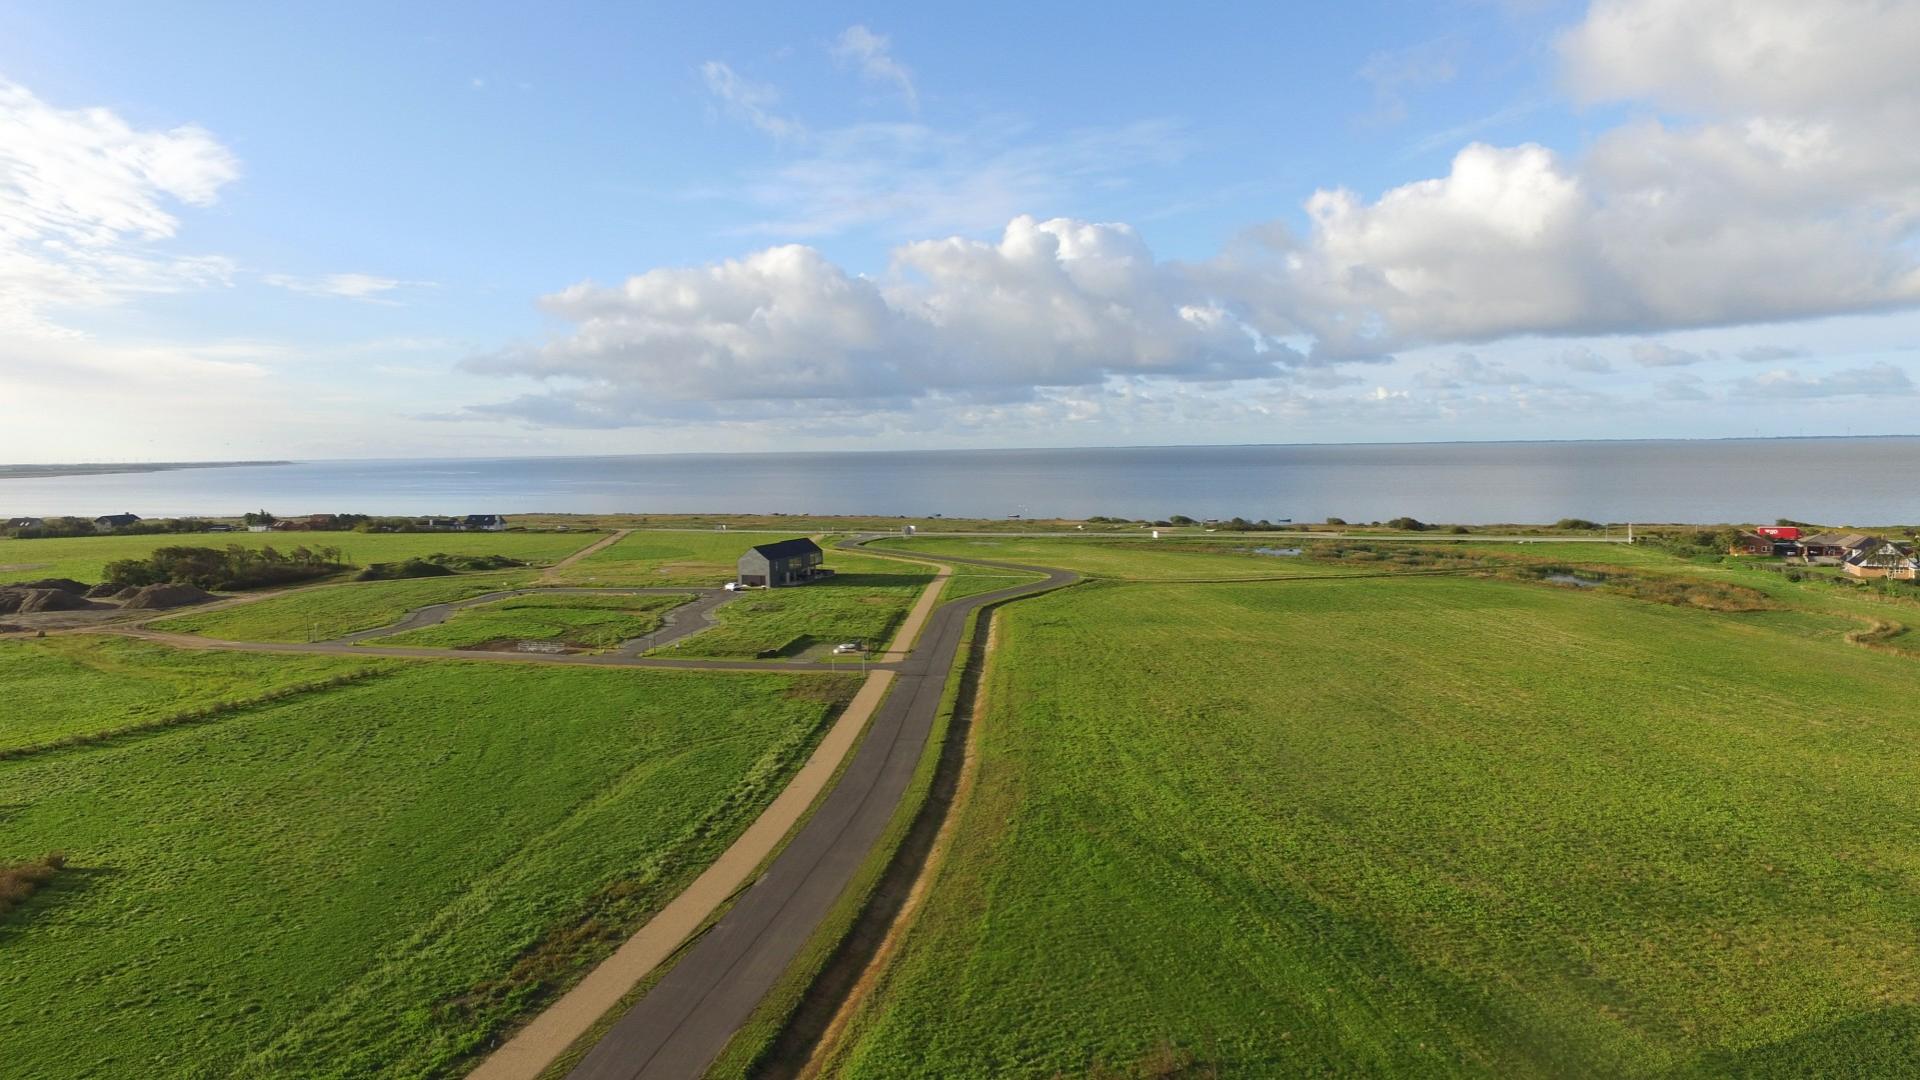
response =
{"points": [[1279, 552], [1577, 582]]}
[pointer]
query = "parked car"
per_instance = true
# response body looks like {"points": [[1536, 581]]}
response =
{"points": [[848, 648]]}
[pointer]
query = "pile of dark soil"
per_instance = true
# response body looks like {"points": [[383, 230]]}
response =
{"points": [[22, 601], [156, 597], [60, 583], [104, 589]]}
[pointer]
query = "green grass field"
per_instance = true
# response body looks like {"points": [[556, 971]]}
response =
{"points": [[670, 557], [973, 580], [369, 880], [62, 687], [865, 601], [328, 611], [1430, 826], [587, 622], [1121, 558], [83, 558]]}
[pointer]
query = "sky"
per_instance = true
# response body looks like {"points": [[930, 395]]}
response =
{"points": [[242, 231]]}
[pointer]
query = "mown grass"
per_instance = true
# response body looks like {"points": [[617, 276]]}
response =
{"points": [[1122, 558], [373, 880], [65, 687], [867, 604], [83, 558], [1422, 826], [586, 622], [329, 611], [968, 581], [669, 557]]}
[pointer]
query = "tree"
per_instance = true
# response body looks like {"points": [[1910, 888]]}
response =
{"points": [[258, 517]]}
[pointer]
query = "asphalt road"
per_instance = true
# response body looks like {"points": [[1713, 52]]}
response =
{"points": [[687, 1019]]}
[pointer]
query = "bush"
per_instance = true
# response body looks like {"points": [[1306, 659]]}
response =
{"points": [[1180, 519], [1407, 524], [1577, 525], [436, 565], [235, 568], [1336, 521], [21, 880]]}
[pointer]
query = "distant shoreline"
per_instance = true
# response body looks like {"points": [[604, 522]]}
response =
{"points": [[22, 472]]}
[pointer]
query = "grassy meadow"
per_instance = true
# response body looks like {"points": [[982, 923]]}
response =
{"points": [[866, 600], [1120, 557], [1428, 826], [671, 557], [586, 622], [372, 879], [329, 611], [66, 687], [84, 558]]}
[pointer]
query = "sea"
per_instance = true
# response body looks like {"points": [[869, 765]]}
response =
{"points": [[1836, 481]]}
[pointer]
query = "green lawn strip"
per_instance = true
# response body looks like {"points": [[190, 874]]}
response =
{"points": [[865, 601], [83, 558], [1429, 826], [588, 622], [745, 1052], [70, 687], [973, 580], [329, 611], [669, 557], [373, 880], [1127, 558]]}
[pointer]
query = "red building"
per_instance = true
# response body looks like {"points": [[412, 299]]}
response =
{"points": [[1779, 532]]}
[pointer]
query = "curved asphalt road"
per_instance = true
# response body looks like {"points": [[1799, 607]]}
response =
{"points": [[687, 1019]]}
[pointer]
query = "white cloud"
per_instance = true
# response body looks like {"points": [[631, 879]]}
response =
{"points": [[1792, 190], [1581, 358], [84, 200], [1656, 354], [750, 101], [368, 287], [1767, 354], [872, 54], [1052, 304], [1883, 380], [1465, 370]]}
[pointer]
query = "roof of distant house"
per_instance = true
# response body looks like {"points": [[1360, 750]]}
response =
{"points": [[787, 549]]}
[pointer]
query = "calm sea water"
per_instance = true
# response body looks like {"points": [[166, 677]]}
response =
{"points": [[1835, 481]]}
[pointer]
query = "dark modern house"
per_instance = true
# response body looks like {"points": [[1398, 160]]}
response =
{"points": [[788, 562], [483, 523], [110, 522], [22, 523]]}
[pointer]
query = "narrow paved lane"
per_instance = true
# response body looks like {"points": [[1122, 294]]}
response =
{"points": [[687, 1019]]}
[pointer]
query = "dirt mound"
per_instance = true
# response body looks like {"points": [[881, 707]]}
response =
{"points": [[156, 597], [17, 601], [63, 584], [104, 590]]}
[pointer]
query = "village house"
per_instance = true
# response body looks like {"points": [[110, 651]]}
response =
{"points": [[110, 522], [1758, 542], [787, 562], [484, 523], [1879, 558], [23, 523], [439, 524], [1831, 548]]}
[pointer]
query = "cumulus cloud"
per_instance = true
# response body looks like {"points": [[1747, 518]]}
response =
{"points": [[1466, 369], [872, 55], [84, 199], [1883, 380], [1050, 304], [1792, 189]]}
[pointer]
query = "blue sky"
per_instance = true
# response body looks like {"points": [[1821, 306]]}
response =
{"points": [[250, 231]]}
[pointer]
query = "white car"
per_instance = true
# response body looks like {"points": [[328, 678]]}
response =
{"points": [[731, 586], [848, 648]]}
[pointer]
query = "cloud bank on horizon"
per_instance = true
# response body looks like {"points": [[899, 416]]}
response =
{"points": [[1750, 168]]}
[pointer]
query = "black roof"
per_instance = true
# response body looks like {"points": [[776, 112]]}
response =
{"points": [[787, 549]]}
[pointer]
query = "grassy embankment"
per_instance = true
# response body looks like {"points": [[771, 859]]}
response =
{"points": [[1424, 826], [585, 622], [372, 879], [65, 688], [84, 558]]}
